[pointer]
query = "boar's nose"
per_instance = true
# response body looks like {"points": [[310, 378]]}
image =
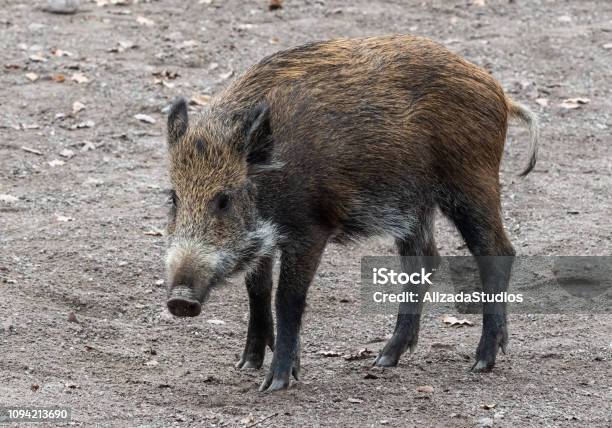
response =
{"points": [[182, 303]]}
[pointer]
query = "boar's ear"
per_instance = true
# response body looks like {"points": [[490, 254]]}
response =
{"points": [[177, 120], [259, 145]]}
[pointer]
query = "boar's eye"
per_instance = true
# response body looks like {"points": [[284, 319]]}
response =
{"points": [[222, 202]]}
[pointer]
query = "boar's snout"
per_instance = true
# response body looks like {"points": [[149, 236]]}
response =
{"points": [[190, 278], [183, 303], [185, 294]]}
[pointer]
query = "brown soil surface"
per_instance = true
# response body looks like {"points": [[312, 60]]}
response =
{"points": [[126, 362]]}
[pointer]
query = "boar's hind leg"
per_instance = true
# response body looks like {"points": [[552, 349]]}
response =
{"points": [[416, 251], [477, 215], [261, 325], [299, 262]]}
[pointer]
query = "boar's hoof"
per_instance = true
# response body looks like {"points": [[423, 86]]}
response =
{"points": [[386, 361], [275, 385], [391, 353], [255, 349], [274, 382], [183, 307], [482, 366], [491, 341], [249, 364], [279, 381]]}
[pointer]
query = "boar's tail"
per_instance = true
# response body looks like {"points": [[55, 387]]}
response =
{"points": [[526, 116]]}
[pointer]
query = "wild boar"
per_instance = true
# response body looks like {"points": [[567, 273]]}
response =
{"points": [[334, 141]]}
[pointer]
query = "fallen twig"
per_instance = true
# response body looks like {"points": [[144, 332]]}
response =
{"points": [[29, 150]]}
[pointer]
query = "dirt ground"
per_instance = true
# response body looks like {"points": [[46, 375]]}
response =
{"points": [[78, 228]]}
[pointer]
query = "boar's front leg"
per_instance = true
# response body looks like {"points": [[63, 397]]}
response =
{"points": [[261, 325], [299, 262]]}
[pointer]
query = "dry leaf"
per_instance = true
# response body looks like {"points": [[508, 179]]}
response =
{"points": [[163, 82], [362, 354], [38, 58], [102, 3], [59, 52], [59, 78], [62, 7], [126, 44], [166, 74], [79, 78], [56, 162], [66, 153], [227, 75], [144, 118], [329, 353], [188, 44], [33, 77], [248, 420], [574, 103], [145, 21], [427, 389], [12, 66], [86, 124], [453, 321], [8, 199], [77, 107], [445, 346], [93, 182], [275, 4], [122, 46], [154, 232], [87, 146], [199, 100]]}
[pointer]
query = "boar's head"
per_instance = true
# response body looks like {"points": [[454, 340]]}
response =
{"points": [[215, 229]]}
